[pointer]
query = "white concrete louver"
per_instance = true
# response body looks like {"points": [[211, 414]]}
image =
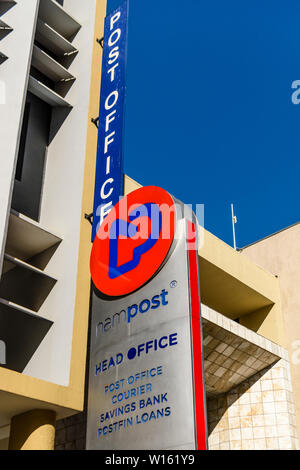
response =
{"points": [[5, 29], [52, 53]]}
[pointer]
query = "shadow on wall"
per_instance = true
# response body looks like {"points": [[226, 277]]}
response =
{"points": [[59, 115], [5, 29], [6, 6], [219, 405], [254, 320]]}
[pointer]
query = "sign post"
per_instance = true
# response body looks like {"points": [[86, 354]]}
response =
{"points": [[146, 381], [109, 163]]}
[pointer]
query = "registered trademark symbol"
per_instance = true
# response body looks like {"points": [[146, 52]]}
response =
{"points": [[173, 284]]}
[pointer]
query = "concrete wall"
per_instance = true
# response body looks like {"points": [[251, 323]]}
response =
{"points": [[280, 254], [62, 202], [29, 176], [54, 378], [17, 46], [63, 186], [258, 414]]}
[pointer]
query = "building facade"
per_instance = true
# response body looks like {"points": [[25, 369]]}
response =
{"points": [[50, 74], [50, 81]]}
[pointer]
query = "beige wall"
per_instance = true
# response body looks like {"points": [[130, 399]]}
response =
{"points": [[258, 414], [280, 254], [234, 286]]}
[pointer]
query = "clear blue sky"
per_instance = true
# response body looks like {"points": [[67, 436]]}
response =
{"points": [[209, 115]]}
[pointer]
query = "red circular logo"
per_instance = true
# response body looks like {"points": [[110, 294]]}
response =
{"points": [[133, 241]]}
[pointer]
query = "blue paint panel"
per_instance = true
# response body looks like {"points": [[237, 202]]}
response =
{"points": [[109, 164]]}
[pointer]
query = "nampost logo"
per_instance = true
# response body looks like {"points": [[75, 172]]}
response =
{"points": [[133, 241]]}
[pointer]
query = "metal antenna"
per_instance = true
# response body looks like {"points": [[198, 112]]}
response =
{"points": [[234, 221]]}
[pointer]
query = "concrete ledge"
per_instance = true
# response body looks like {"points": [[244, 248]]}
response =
{"points": [[232, 353]]}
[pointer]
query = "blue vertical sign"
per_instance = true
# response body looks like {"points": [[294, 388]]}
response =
{"points": [[109, 165]]}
